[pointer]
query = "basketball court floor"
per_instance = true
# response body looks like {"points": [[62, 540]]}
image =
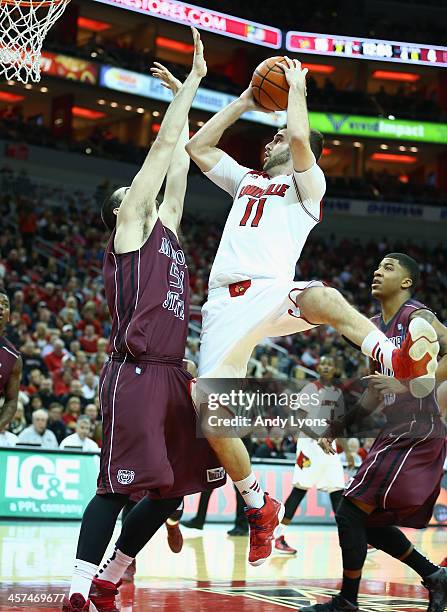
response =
{"points": [[211, 572]]}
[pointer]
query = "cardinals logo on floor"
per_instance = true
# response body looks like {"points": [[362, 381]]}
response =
{"points": [[302, 461], [270, 597]]}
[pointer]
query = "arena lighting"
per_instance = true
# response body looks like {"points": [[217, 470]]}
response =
{"points": [[336, 143], [389, 75], [87, 113], [414, 149], [319, 68], [327, 151], [384, 147], [5, 96], [173, 45], [155, 127], [93, 24], [394, 158], [357, 144]]}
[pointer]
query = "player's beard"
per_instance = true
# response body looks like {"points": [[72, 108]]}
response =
{"points": [[277, 160]]}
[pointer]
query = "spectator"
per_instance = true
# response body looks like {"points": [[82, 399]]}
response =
{"points": [[55, 422], [7, 438], [37, 433], [271, 448], [80, 439], [34, 381], [35, 403], [89, 339], [53, 360], [364, 450], [75, 391], [89, 318], [91, 411], [90, 386], [31, 359], [18, 423], [72, 412], [353, 448], [46, 392], [62, 381]]}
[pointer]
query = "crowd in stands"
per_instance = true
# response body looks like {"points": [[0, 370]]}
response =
{"points": [[50, 268], [383, 186]]}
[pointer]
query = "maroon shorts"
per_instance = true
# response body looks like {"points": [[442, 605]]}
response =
{"points": [[401, 475], [149, 433]]}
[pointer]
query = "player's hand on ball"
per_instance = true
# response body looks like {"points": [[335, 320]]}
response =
{"points": [[326, 445], [250, 103], [295, 74], [198, 63], [385, 385], [167, 79]]}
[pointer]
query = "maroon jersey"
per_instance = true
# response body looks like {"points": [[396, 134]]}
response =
{"points": [[8, 357], [396, 330], [147, 293]]}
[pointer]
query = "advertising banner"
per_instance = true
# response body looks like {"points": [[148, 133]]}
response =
{"points": [[150, 87], [376, 127], [73, 68], [396, 210], [206, 19], [59, 484], [46, 484]]}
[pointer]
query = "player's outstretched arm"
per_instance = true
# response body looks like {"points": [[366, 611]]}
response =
{"points": [[203, 145], [298, 128], [171, 209], [9, 408], [139, 202]]}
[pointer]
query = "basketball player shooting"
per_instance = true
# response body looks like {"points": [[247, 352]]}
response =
{"points": [[252, 293], [149, 421], [399, 481]]}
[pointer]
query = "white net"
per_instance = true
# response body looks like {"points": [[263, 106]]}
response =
{"points": [[23, 27]]}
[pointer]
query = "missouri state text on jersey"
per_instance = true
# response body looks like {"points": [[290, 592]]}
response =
{"points": [[269, 221], [148, 298]]}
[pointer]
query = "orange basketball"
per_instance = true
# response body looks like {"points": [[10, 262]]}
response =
{"points": [[270, 88]]}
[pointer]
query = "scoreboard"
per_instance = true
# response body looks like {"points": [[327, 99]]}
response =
{"points": [[366, 48]]}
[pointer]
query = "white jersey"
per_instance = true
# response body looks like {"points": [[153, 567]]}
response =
{"points": [[268, 223], [322, 404]]}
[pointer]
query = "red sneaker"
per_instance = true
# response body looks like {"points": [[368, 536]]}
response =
{"points": [[102, 595], [175, 538], [443, 562], [263, 523], [130, 572], [76, 603], [416, 360], [282, 547]]}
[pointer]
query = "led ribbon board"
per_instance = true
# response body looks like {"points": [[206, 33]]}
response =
{"points": [[366, 48], [206, 19], [212, 101]]}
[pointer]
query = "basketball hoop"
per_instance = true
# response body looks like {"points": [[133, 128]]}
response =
{"points": [[23, 27]]}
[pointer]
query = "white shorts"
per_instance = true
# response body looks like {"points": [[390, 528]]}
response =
{"points": [[314, 468], [233, 326]]}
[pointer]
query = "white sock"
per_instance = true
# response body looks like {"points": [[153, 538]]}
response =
{"points": [[251, 491], [82, 578], [380, 348], [114, 568]]}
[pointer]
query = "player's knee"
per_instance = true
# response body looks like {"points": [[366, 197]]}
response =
{"points": [[318, 303]]}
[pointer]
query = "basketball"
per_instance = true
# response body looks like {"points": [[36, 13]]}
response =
{"points": [[270, 88]]}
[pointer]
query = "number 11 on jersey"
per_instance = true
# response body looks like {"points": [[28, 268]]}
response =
{"points": [[258, 214]]}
